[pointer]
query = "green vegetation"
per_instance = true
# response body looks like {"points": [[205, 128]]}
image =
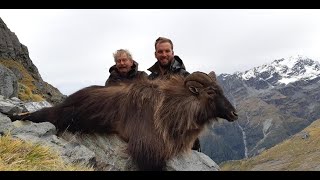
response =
{"points": [[26, 83], [18, 155], [296, 153]]}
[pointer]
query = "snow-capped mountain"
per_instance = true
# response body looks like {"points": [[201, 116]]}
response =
{"points": [[284, 71], [274, 101]]}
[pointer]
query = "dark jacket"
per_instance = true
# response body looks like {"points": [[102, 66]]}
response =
{"points": [[176, 67], [115, 76]]}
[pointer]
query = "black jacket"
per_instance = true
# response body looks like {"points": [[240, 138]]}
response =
{"points": [[176, 67], [115, 76]]}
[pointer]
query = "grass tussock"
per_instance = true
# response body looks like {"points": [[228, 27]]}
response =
{"points": [[26, 83], [25, 94], [18, 155]]}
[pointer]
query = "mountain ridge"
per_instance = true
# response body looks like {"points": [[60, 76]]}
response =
{"points": [[282, 71], [269, 111]]}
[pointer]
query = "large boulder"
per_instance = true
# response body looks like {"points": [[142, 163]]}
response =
{"points": [[8, 83]]}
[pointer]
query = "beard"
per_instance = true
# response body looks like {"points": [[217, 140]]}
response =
{"points": [[165, 66], [123, 71]]}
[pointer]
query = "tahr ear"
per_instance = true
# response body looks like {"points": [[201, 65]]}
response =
{"points": [[194, 90], [212, 74]]}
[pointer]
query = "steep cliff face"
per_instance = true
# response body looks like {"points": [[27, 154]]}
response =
{"points": [[15, 56]]}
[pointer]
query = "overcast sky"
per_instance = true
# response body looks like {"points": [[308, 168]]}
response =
{"points": [[73, 49]]}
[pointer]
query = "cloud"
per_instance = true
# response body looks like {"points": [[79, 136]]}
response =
{"points": [[73, 48]]}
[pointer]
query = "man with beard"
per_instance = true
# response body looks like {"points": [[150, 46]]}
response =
{"points": [[166, 65], [125, 69]]}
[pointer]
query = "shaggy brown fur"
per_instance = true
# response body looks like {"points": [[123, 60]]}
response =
{"points": [[159, 119]]}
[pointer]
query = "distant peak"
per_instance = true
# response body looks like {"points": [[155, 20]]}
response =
{"points": [[284, 70], [291, 61]]}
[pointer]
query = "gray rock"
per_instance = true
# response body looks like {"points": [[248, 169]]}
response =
{"points": [[34, 106], [303, 135], [5, 124], [109, 150], [111, 155], [11, 106], [8, 108], [45, 134], [195, 161], [15, 106], [8, 83], [35, 129]]}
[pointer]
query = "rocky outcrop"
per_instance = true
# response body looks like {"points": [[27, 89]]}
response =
{"points": [[12, 50], [111, 155], [10, 47], [45, 134]]}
